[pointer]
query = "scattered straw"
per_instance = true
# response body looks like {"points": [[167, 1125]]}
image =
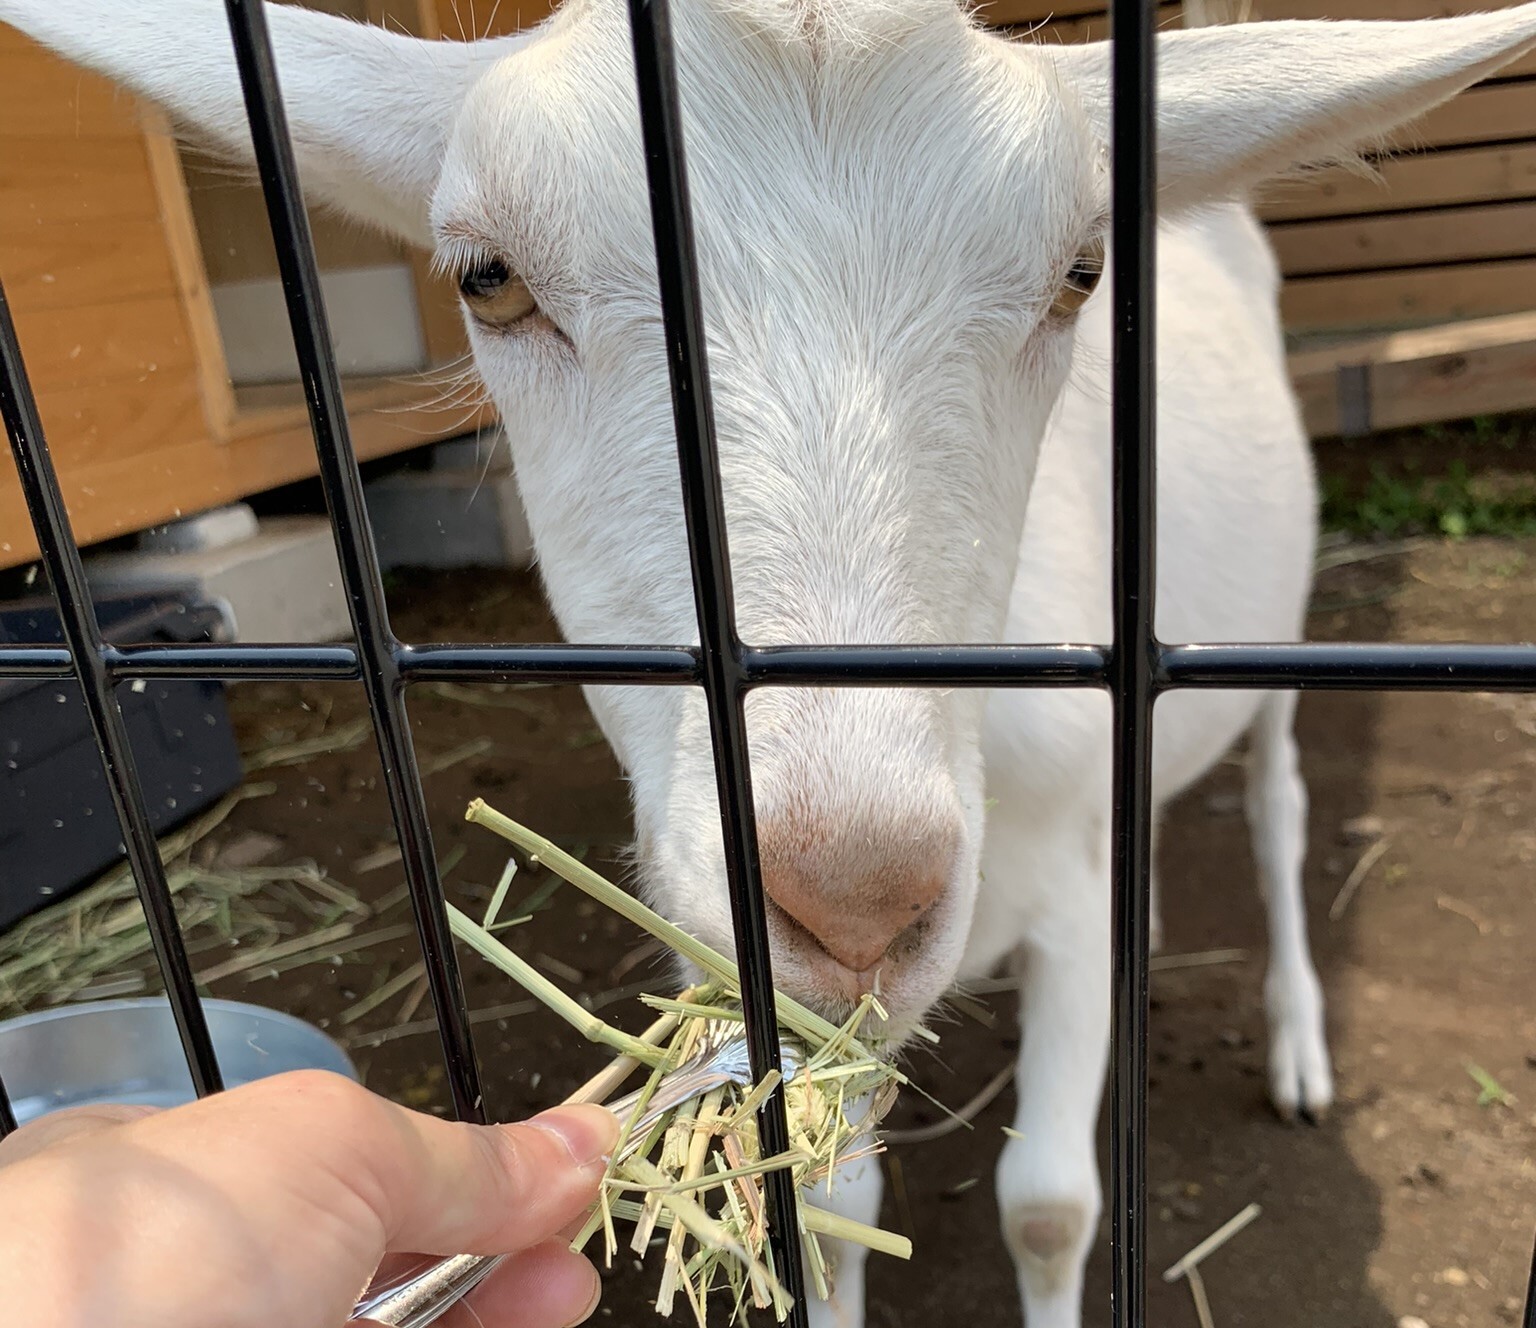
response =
{"points": [[493, 1014], [1462, 909], [1352, 882], [490, 696], [464, 752], [1212, 1243], [386, 991], [96, 943], [342, 738], [962, 1116], [1197, 1294], [1196, 959]]}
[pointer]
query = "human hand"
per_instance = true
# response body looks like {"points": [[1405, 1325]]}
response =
{"points": [[271, 1205]]}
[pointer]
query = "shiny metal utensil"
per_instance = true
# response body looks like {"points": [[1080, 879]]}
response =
{"points": [[422, 1297]]}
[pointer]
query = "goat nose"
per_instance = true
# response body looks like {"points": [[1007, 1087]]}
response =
{"points": [[853, 909]]}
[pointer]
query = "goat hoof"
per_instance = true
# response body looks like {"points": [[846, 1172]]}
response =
{"points": [[1300, 1082]]}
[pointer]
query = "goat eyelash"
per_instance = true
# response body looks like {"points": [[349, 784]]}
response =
{"points": [[458, 254]]}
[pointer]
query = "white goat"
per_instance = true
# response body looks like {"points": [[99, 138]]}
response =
{"points": [[898, 217]]}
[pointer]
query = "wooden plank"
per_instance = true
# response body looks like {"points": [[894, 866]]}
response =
{"points": [[1088, 27], [1091, 23], [73, 264], [1324, 354], [42, 95], [1375, 9], [1437, 179], [111, 342], [92, 426], [186, 253], [1495, 113], [116, 495], [458, 20], [50, 179], [1004, 13], [1409, 239], [1426, 375], [1414, 297]]}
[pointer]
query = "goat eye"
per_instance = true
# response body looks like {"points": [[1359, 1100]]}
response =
{"points": [[482, 282], [495, 295], [1081, 280]]}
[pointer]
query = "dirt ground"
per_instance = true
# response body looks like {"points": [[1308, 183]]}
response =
{"points": [[1412, 1199]]}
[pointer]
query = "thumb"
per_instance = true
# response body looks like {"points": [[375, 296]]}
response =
{"points": [[430, 1186], [450, 1188]]}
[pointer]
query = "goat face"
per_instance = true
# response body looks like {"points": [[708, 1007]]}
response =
{"points": [[883, 349]]}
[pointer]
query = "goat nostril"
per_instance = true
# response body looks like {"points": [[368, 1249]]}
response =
{"points": [[855, 929]]}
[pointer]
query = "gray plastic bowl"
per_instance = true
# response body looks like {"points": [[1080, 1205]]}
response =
{"points": [[128, 1051]]}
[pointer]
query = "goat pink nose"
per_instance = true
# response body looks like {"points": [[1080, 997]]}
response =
{"points": [[855, 921]]}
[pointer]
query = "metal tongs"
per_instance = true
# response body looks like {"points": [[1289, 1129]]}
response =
{"points": [[422, 1297]]}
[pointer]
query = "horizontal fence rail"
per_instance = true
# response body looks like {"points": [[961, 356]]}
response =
{"points": [[1307, 665], [1134, 670]]}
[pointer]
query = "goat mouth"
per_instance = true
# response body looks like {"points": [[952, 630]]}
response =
{"points": [[806, 970]]}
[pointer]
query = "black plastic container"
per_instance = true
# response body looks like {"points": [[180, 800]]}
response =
{"points": [[57, 827]]}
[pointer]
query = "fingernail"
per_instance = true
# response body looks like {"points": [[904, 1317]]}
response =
{"points": [[588, 1132], [597, 1295]]}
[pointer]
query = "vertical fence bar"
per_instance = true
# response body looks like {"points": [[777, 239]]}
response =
{"points": [[7, 1115], [77, 614], [1529, 1318], [720, 650], [1133, 657], [343, 485]]}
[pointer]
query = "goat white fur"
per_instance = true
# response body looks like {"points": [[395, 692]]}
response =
{"points": [[915, 448]]}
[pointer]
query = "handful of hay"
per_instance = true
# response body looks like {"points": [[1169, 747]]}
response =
{"points": [[697, 1173]]}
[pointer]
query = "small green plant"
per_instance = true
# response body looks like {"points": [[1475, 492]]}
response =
{"points": [[1399, 501], [1492, 1093]]}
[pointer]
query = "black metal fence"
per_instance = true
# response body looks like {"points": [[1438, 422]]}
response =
{"points": [[1135, 668]]}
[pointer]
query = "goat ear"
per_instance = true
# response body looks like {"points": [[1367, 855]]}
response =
{"points": [[1237, 105], [370, 111]]}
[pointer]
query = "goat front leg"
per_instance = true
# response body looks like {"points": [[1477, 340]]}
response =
{"points": [[1300, 1078], [856, 1193], [1048, 1175]]}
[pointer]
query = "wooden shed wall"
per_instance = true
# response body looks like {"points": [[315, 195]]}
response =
{"points": [[106, 275], [101, 258]]}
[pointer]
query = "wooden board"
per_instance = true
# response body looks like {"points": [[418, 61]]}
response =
{"points": [[112, 342], [39, 102], [1418, 297], [1493, 113], [1445, 235], [115, 495], [73, 263], [49, 180], [1415, 377], [459, 20], [1468, 175]]}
